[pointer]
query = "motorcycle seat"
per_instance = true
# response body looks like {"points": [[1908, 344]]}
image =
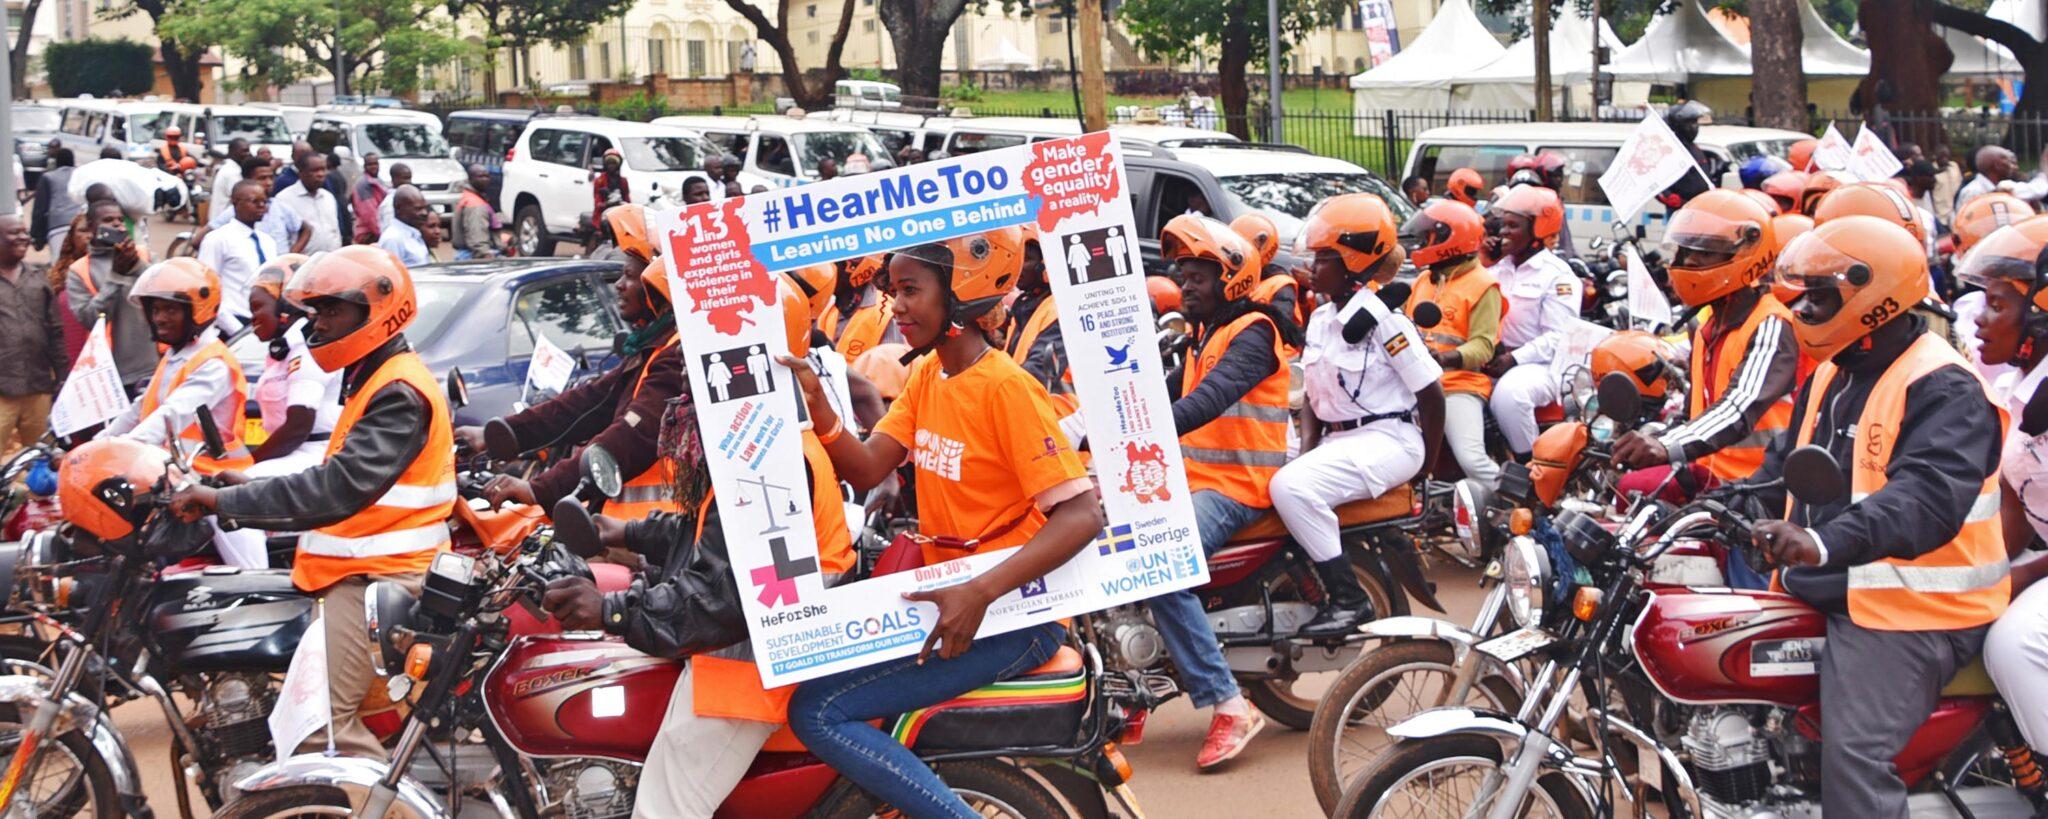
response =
{"points": [[1398, 503], [1042, 707], [1970, 681]]}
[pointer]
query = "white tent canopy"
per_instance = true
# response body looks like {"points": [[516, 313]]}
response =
{"points": [[1509, 83], [1824, 53], [1006, 56], [1419, 78], [1678, 46], [1978, 57]]}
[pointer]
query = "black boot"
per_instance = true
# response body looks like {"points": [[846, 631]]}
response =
{"points": [[1345, 606]]}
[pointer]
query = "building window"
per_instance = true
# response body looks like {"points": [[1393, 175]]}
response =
{"points": [[578, 66], [814, 38], [1056, 25], [604, 60], [811, 10], [867, 26], [698, 63], [1357, 18], [657, 54]]}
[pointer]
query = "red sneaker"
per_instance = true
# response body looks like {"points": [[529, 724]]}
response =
{"points": [[1227, 736]]}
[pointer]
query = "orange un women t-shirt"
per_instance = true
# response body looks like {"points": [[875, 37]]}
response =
{"points": [[986, 442]]}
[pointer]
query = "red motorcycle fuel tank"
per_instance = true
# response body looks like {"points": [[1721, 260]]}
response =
{"points": [[1734, 646], [553, 695]]}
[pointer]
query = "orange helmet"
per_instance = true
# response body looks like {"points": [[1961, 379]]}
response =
{"points": [[629, 231], [1258, 229], [184, 280], [1784, 188], [270, 278], [982, 268], [861, 270], [186, 163], [1818, 185], [1978, 217], [1871, 199], [1540, 206], [883, 365], [1788, 226], [796, 317], [1875, 269], [1443, 230], [1769, 202], [363, 274], [1643, 357], [1165, 295], [1194, 236], [99, 481], [1718, 244], [1465, 185], [2009, 254], [816, 282], [1359, 226], [1801, 155]]}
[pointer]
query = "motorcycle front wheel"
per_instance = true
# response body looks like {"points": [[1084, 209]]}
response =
{"points": [[1387, 685], [290, 801], [1276, 697], [994, 790], [70, 779], [1440, 776]]}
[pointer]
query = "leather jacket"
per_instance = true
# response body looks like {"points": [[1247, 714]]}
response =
{"points": [[687, 602]]}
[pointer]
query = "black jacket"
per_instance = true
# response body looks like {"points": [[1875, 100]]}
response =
{"points": [[687, 603], [1948, 443], [604, 411]]}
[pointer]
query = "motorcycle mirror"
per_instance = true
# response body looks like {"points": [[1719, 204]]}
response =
{"points": [[216, 446], [1641, 231], [1813, 476], [602, 470], [575, 528], [1620, 232], [499, 441], [1427, 315], [1619, 399], [1395, 294], [458, 389]]}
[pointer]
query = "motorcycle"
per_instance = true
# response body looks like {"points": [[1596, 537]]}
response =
{"points": [[548, 710], [1718, 712]]}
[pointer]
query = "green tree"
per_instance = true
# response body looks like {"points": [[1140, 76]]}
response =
{"points": [[382, 43], [181, 60], [520, 24], [1232, 30], [102, 68], [776, 34]]}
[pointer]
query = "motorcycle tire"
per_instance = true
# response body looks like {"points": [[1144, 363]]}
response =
{"points": [[1274, 696], [95, 781], [1363, 797], [993, 789], [289, 801], [27, 648], [1363, 689]]}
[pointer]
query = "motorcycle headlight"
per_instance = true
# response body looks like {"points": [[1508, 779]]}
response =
{"points": [[1525, 572], [1602, 429]]}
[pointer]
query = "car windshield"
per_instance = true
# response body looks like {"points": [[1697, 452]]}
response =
{"points": [[437, 301], [666, 153], [36, 118], [1287, 197], [143, 127], [396, 140], [837, 146], [259, 129]]}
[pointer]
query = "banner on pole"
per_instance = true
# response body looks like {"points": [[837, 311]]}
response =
{"points": [[1833, 152], [1870, 160], [1649, 161], [723, 259], [92, 393], [1382, 37]]}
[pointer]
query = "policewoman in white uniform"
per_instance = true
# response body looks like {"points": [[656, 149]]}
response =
{"points": [[1542, 302]]}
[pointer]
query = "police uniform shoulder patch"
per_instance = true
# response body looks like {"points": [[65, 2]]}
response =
{"points": [[1395, 344], [1564, 288]]}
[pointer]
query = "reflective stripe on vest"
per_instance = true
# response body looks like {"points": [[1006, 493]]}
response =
{"points": [[1027, 336], [649, 491], [236, 456], [402, 529], [1742, 458], [1962, 584], [1457, 297], [1238, 452]]}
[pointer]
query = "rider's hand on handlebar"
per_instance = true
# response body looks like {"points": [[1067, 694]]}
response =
{"points": [[469, 439], [505, 488], [1786, 544], [1636, 450], [194, 501], [231, 477], [576, 603]]}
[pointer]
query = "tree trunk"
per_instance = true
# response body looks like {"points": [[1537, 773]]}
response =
{"points": [[1778, 91], [919, 29], [2032, 57], [1539, 41], [183, 71], [821, 96], [1236, 56], [777, 38], [1909, 58], [19, 54]]}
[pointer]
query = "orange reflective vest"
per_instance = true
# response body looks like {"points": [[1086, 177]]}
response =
{"points": [[1456, 296], [1271, 287], [399, 532], [863, 330], [237, 455], [1238, 452], [1964, 583], [648, 492], [1713, 369], [731, 688], [167, 159]]}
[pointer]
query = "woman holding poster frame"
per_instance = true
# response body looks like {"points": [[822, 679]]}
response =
{"points": [[993, 471]]}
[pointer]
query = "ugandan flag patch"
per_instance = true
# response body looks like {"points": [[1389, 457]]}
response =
{"points": [[1564, 289], [1396, 344]]}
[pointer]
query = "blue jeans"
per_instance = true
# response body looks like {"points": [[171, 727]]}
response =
{"points": [[830, 715], [1189, 637]]}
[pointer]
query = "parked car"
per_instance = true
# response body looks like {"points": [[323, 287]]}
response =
{"points": [[546, 184], [974, 135], [483, 317], [217, 125], [34, 125], [895, 128], [133, 127], [484, 136], [866, 94], [296, 117], [1591, 147], [395, 140], [426, 118], [782, 151], [1228, 180]]}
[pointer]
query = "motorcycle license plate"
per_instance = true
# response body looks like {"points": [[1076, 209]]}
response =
{"points": [[1517, 644]]}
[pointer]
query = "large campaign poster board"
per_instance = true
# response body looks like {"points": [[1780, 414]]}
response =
{"points": [[724, 259]]}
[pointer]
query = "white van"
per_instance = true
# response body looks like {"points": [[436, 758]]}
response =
{"points": [[395, 140], [866, 94], [783, 151], [979, 134], [895, 129], [1591, 146], [217, 125]]}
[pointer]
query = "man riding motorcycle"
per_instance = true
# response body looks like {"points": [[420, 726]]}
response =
{"points": [[171, 156], [620, 409], [1443, 240], [1542, 296], [1376, 410], [1910, 568], [377, 508], [1231, 413]]}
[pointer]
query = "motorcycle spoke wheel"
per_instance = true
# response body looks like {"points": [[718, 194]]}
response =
{"points": [[287, 803], [69, 780], [1276, 696], [1386, 686], [1442, 776], [992, 790]]}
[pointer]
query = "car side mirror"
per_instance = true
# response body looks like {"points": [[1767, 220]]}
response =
{"points": [[1427, 314], [1619, 398], [575, 527], [1813, 476], [216, 446], [601, 470], [499, 441], [458, 389]]}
